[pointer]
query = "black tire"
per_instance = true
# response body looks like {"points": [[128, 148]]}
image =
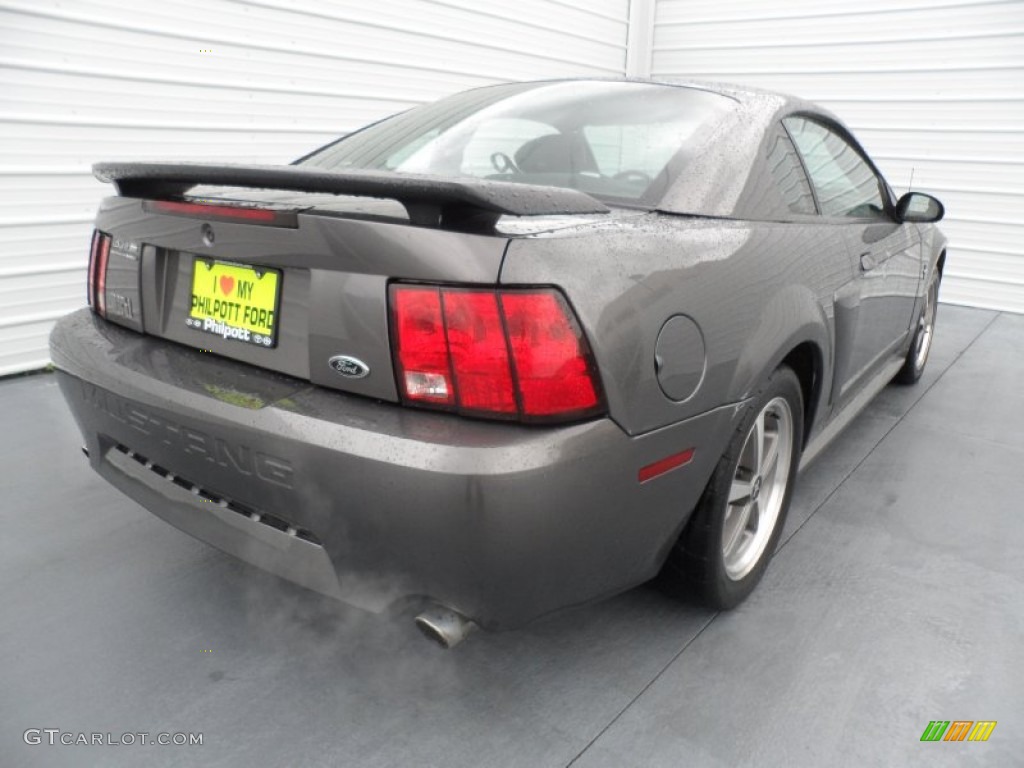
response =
{"points": [[924, 334], [698, 564]]}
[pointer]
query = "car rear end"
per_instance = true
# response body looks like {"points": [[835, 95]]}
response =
{"points": [[361, 406], [412, 364]]}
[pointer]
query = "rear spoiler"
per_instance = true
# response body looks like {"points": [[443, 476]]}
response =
{"points": [[429, 200]]}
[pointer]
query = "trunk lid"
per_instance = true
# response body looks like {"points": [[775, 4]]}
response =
{"points": [[287, 267], [333, 265]]}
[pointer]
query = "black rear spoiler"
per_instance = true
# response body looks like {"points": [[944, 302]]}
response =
{"points": [[429, 200]]}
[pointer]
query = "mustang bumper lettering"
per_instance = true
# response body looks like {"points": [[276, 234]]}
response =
{"points": [[373, 503]]}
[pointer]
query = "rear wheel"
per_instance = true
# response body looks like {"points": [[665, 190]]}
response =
{"points": [[917, 356], [735, 528]]}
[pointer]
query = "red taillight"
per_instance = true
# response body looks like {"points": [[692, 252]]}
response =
{"points": [[508, 354], [99, 254], [554, 376], [479, 351], [421, 351], [90, 287]]}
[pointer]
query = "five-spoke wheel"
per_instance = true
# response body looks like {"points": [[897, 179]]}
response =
{"points": [[921, 344], [732, 534], [758, 488]]}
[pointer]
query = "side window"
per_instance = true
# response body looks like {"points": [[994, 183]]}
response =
{"points": [[845, 184], [788, 174]]}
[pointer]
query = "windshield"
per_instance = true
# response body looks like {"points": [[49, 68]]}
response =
{"points": [[618, 141]]}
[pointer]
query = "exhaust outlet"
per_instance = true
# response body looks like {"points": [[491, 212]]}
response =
{"points": [[444, 626]]}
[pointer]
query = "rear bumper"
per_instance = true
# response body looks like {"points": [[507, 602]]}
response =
{"points": [[370, 502]]}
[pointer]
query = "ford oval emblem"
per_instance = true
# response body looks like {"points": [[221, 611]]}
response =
{"points": [[351, 367]]}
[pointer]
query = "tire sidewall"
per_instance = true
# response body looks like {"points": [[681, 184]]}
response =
{"points": [[933, 286], [911, 371], [719, 589]]}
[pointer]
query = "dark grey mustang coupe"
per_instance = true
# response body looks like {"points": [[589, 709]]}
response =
{"points": [[519, 349]]}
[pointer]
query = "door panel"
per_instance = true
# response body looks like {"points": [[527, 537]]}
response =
{"points": [[888, 258], [873, 313]]}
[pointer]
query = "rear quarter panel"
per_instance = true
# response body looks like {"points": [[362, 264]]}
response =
{"points": [[755, 289]]}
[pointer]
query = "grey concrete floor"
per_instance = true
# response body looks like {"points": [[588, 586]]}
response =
{"points": [[895, 599]]}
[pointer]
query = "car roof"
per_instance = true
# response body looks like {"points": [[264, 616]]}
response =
{"points": [[757, 100], [741, 93], [744, 190]]}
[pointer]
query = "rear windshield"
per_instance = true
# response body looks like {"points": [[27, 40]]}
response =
{"points": [[621, 142]]}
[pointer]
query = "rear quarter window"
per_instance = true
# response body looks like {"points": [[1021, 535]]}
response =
{"points": [[788, 174]]}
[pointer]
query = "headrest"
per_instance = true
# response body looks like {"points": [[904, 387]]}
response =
{"points": [[553, 153]]}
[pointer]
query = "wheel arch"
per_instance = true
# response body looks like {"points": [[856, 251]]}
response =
{"points": [[808, 363], [935, 242], [793, 330]]}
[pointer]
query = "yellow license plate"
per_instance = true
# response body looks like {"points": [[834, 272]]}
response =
{"points": [[235, 301]]}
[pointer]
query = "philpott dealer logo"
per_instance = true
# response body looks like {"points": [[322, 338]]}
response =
{"points": [[958, 730]]}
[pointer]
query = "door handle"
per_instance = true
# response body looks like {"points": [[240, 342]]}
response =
{"points": [[867, 262]]}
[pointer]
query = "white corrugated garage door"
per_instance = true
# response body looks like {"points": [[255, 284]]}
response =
{"points": [[256, 81], [929, 85]]}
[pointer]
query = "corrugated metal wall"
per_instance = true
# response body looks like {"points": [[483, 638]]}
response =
{"points": [[259, 81], [933, 86]]}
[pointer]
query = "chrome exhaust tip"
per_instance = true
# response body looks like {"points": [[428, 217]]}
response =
{"points": [[444, 626]]}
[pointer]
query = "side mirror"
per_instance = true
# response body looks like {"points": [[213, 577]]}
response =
{"points": [[919, 208]]}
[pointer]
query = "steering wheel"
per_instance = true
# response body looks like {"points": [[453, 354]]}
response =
{"points": [[503, 163], [632, 177]]}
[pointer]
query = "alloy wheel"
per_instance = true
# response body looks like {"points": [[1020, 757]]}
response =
{"points": [[758, 488], [927, 328]]}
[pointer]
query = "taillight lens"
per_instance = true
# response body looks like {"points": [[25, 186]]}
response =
{"points": [[421, 350], [513, 354], [554, 373], [479, 352], [99, 254]]}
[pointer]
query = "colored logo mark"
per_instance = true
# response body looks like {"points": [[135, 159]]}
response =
{"points": [[958, 730]]}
